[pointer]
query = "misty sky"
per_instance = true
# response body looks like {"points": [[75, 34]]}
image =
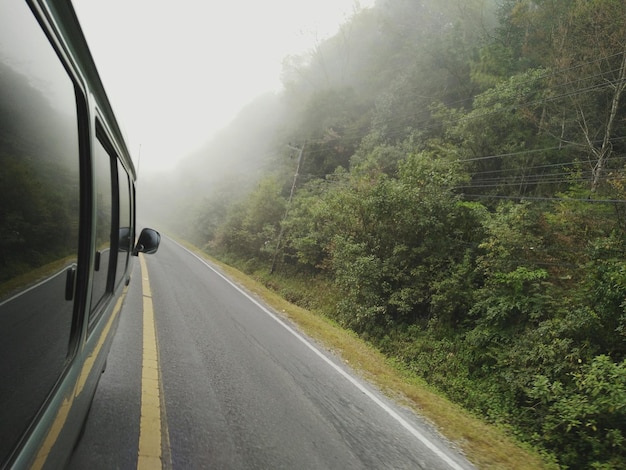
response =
{"points": [[176, 72]]}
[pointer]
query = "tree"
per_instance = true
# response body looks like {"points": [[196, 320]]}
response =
{"points": [[390, 275], [587, 60], [252, 225]]}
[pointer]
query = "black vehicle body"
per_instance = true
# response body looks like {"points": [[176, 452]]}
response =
{"points": [[67, 231]]}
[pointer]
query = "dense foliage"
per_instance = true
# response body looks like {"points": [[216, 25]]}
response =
{"points": [[461, 187], [38, 214]]}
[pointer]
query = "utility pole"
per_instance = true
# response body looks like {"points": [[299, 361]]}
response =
{"points": [[293, 189]]}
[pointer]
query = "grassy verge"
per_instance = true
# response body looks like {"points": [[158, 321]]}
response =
{"points": [[485, 445], [32, 276]]}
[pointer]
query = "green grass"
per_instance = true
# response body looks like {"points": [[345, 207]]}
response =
{"points": [[485, 445]]}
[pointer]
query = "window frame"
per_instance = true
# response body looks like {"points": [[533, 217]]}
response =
{"points": [[123, 177], [99, 305]]}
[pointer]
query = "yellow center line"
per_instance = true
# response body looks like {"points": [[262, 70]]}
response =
{"points": [[149, 453]]}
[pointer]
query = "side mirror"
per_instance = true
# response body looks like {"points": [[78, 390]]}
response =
{"points": [[148, 243]]}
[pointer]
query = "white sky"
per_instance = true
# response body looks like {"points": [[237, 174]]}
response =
{"points": [[177, 71]]}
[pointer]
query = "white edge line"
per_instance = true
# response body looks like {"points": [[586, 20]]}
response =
{"points": [[415, 432], [35, 286]]}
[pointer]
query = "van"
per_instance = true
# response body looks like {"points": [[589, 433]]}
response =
{"points": [[67, 231]]}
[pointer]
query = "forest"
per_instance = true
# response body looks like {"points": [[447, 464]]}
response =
{"points": [[39, 180], [452, 173]]}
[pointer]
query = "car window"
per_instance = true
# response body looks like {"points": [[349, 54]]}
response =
{"points": [[39, 218], [105, 204]]}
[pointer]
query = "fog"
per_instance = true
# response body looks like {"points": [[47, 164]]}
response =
{"points": [[214, 96], [177, 73], [225, 167], [197, 87]]}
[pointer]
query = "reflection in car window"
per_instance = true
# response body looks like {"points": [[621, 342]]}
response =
{"points": [[104, 218], [39, 218]]}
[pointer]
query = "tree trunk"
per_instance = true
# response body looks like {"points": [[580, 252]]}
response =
{"points": [[604, 152]]}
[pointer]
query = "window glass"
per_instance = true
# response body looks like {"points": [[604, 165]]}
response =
{"points": [[125, 241], [39, 218], [102, 168]]}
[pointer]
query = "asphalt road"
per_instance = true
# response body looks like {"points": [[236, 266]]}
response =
{"points": [[242, 389]]}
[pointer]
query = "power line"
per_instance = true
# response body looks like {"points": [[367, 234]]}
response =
{"points": [[540, 198]]}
